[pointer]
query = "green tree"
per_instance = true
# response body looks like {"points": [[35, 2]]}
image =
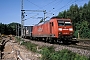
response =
{"points": [[80, 17], [9, 28]]}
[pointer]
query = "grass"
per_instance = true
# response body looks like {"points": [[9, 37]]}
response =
{"points": [[18, 39], [30, 46]]}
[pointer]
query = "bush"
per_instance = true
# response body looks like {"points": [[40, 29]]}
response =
{"points": [[76, 33], [18, 39], [46, 51], [61, 55]]}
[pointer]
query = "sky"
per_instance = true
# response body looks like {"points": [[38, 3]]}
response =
{"points": [[10, 10]]}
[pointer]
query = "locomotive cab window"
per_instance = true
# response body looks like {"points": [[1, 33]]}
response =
{"points": [[64, 23], [51, 23], [60, 23], [68, 23]]}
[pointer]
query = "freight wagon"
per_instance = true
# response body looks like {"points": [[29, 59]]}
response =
{"points": [[27, 31]]}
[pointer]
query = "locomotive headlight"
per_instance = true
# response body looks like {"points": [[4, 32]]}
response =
{"points": [[60, 29], [71, 33], [70, 29], [59, 33]]}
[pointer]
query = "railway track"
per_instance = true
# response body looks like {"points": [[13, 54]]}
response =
{"points": [[82, 44], [85, 44], [81, 47]]}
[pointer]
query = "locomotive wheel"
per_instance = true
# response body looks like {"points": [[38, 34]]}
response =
{"points": [[39, 39], [51, 40], [45, 40], [60, 41], [31, 38]]}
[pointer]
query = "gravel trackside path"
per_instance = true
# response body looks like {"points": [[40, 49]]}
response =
{"points": [[13, 51]]}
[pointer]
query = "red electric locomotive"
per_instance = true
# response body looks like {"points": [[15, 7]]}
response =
{"points": [[55, 29]]}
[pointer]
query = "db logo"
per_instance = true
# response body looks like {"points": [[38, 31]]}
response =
{"points": [[40, 29]]}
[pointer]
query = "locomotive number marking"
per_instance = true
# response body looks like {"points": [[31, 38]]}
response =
{"points": [[65, 29]]}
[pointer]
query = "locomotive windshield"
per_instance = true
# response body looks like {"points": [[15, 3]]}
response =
{"points": [[64, 23], [60, 23], [68, 23]]}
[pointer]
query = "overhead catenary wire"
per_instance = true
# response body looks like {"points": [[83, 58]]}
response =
{"points": [[68, 3], [42, 6], [34, 4], [31, 17], [49, 3], [55, 4], [52, 3], [63, 6]]}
